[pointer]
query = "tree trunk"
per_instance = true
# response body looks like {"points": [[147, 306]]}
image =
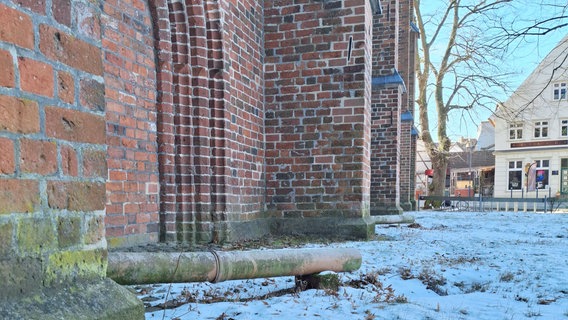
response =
{"points": [[439, 165]]}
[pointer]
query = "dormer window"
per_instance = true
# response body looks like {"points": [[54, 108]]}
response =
{"points": [[559, 91]]}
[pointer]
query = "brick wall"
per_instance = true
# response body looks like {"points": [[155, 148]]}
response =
{"points": [[52, 145], [129, 98], [406, 65], [317, 110], [191, 121], [387, 102], [210, 119], [243, 44]]}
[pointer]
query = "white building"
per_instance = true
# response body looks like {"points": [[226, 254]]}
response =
{"points": [[531, 132]]}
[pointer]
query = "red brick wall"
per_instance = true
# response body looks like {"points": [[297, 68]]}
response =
{"points": [[386, 104], [187, 120], [131, 134], [244, 95], [317, 108], [210, 111], [406, 53], [52, 145]]}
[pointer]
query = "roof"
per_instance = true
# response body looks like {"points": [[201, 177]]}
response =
{"points": [[552, 68], [389, 80]]}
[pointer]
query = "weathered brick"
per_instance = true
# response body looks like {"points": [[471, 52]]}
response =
{"points": [[65, 87], [68, 231], [34, 5], [36, 235], [36, 77], [18, 115], [69, 165], [38, 156], [83, 264], [88, 20], [60, 46], [7, 67], [16, 27], [7, 161], [76, 196], [95, 230], [6, 236], [18, 196], [61, 10], [73, 125], [92, 95], [94, 163]]}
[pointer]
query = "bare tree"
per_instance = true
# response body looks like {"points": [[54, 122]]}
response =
{"points": [[522, 31], [458, 70], [514, 32]]}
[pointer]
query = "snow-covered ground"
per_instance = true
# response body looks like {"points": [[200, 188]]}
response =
{"points": [[447, 265]]}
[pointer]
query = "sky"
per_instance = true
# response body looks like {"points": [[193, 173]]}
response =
{"points": [[519, 61], [446, 265]]}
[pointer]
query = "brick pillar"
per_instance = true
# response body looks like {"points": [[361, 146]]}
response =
{"points": [[210, 112], [406, 63], [131, 116], [53, 169], [317, 72], [388, 90]]}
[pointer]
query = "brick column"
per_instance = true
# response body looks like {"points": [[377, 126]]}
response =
{"points": [[406, 63], [388, 90], [317, 73], [53, 169], [210, 113]]}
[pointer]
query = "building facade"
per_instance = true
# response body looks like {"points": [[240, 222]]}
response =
{"points": [[531, 132], [125, 122]]}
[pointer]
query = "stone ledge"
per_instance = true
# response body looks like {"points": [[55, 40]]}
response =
{"points": [[386, 209], [338, 227], [100, 300]]}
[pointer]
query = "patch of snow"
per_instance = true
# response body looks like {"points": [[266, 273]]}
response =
{"points": [[449, 265]]}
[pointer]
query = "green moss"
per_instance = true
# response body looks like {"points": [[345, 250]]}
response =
{"points": [[66, 266], [115, 242], [6, 234], [101, 300], [35, 235], [352, 264]]}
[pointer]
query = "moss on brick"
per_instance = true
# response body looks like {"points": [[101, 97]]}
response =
{"points": [[36, 235], [66, 266], [6, 235], [20, 276]]}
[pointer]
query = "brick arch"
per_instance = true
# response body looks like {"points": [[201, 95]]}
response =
{"points": [[190, 118]]}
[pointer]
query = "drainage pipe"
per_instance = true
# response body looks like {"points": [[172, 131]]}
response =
{"points": [[216, 266]]}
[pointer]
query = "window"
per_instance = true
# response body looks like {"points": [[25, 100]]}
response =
{"points": [[559, 91], [564, 128], [542, 168], [541, 129], [515, 175], [515, 131]]}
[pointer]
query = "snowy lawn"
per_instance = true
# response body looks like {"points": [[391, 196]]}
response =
{"points": [[447, 265]]}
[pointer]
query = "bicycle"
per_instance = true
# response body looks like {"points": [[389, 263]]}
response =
{"points": [[462, 205]]}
